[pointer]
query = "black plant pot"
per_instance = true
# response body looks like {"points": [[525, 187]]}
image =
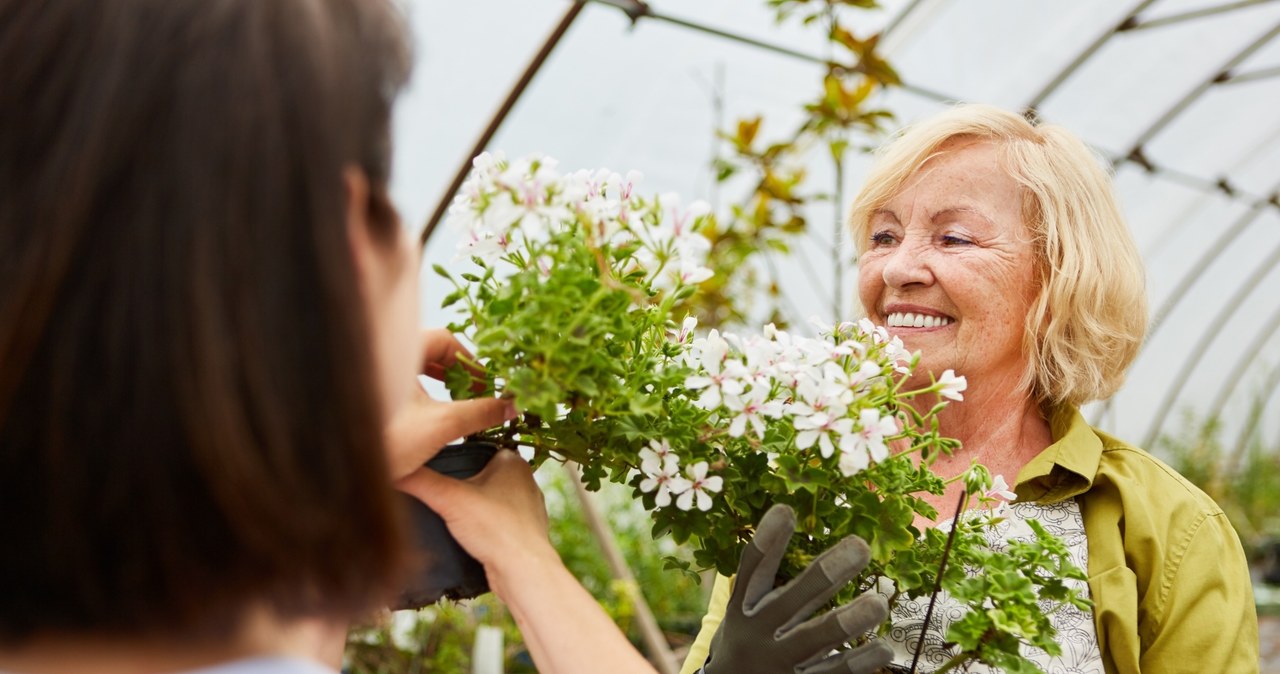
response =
{"points": [[444, 568]]}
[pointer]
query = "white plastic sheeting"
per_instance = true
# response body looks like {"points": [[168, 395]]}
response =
{"points": [[644, 97]]}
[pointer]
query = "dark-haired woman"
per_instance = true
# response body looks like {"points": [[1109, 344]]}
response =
{"points": [[207, 318]]}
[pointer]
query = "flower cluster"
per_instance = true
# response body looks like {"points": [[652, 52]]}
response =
{"points": [[574, 309], [661, 468], [508, 207]]}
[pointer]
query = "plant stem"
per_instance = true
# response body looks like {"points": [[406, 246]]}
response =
{"points": [[955, 661], [937, 582]]}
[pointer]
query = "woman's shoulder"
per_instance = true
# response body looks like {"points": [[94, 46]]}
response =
{"points": [[1137, 473]]}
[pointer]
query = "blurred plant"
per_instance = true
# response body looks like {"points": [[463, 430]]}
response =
{"points": [[774, 210], [571, 308], [1244, 480], [440, 638]]}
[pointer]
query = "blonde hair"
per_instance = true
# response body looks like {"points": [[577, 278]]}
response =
{"points": [[1090, 314]]}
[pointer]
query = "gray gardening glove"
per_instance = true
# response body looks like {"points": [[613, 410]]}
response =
{"points": [[764, 629]]}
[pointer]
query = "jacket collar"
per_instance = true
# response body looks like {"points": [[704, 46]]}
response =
{"points": [[1064, 469]]}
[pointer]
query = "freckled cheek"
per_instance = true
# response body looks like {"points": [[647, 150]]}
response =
{"points": [[870, 283]]}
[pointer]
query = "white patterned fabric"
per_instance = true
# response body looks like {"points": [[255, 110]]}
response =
{"points": [[1076, 633]]}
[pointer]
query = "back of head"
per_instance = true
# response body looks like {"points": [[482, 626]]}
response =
{"points": [[189, 421], [1090, 315]]}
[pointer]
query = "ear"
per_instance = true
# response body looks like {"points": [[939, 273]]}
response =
{"points": [[359, 235]]}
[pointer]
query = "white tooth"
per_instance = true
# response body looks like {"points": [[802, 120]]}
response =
{"points": [[929, 322], [895, 320], [919, 321]]}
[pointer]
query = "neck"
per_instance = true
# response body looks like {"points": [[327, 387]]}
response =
{"points": [[263, 635], [1001, 431]]}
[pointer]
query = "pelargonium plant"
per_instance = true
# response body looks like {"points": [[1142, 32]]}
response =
{"points": [[573, 308]]}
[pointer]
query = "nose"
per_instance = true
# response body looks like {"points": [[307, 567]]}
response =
{"points": [[907, 264]]}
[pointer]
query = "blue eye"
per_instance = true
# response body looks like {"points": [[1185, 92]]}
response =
{"points": [[953, 240]]}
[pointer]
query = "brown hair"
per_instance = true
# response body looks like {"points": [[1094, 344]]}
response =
{"points": [[189, 417]]}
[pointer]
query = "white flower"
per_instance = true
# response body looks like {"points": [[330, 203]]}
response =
{"points": [[751, 407], [869, 440], [487, 246], [661, 469], [721, 376], [679, 272], [818, 427], [999, 489], [868, 370], [853, 461], [686, 330], [699, 486], [658, 450], [950, 386]]}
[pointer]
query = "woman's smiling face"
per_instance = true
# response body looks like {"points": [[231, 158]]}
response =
{"points": [[950, 266]]}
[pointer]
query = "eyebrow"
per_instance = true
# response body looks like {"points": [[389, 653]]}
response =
{"points": [[955, 210], [885, 212]]}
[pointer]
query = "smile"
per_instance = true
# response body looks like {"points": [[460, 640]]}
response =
{"points": [[910, 320]]}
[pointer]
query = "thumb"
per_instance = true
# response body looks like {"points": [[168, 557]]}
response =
{"points": [[432, 488]]}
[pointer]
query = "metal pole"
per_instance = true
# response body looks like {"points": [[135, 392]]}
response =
{"points": [[1211, 331], [1242, 366], [1194, 14], [656, 643], [1085, 55], [499, 117], [1177, 109]]}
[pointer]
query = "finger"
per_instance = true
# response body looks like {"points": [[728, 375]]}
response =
{"points": [[441, 350], [864, 659], [432, 488], [826, 575], [438, 422], [760, 558], [818, 636], [420, 429]]}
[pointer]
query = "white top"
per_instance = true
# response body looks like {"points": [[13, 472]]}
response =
{"points": [[264, 665], [275, 665], [1076, 632]]}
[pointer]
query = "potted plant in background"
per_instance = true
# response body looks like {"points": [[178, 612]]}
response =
{"points": [[575, 307]]}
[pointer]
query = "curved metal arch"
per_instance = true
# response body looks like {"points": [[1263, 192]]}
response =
{"points": [[1206, 338], [1198, 91], [1062, 76], [517, 90], [1193, 14], [1192, 275], [1250, 354], [1255, 417]]}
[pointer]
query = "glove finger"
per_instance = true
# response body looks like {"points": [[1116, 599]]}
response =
{"points": [[819, 635], [761, 557], [794, 602], [864, 659]]}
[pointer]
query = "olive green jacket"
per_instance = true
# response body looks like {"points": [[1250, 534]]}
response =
{"points": [[1167, 574]]}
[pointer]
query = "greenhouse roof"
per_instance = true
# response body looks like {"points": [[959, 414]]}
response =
{"points": [[1180, 95]]}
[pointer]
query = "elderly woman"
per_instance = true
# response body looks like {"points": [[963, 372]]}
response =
{"points": [[209, 350], [996, 248]]}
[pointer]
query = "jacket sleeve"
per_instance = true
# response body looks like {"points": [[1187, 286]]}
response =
{"points": [[1203, 618], [720, 593]]}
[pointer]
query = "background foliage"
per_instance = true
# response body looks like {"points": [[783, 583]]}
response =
{"points": [[440, 638]]}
